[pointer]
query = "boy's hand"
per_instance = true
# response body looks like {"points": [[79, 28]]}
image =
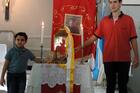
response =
{"points": [[2, 82]]}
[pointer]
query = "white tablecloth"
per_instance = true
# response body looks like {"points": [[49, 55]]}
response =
{"points": [[52, 74]]}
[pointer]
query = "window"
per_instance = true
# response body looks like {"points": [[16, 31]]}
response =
{"points": [[3, 50]]}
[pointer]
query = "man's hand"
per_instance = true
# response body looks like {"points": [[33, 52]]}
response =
{"points": [[77, 48], [135, 62]]}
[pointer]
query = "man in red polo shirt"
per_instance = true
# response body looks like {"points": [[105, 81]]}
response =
{"points": [[118, 31]]}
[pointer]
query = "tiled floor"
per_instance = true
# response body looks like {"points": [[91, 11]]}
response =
{"points": [[3, 89], [99, 89]]}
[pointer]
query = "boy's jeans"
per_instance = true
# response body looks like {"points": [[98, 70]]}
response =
{"points": [[16, 82]]}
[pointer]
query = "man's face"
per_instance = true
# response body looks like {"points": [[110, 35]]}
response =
{"points": [[114, 5]]}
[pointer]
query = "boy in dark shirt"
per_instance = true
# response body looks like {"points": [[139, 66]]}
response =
{"points": [[16, 64]]}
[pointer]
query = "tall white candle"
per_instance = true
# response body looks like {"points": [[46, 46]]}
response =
{"points": [[82, 40], [42, 32], [82, 35]]}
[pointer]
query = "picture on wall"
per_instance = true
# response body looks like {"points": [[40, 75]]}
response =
{"points": [[73, 22]]}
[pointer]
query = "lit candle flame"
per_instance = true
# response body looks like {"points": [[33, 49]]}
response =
{"points": [[42, 32], [7, 3]]}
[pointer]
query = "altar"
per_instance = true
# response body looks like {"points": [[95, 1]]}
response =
{"points": [[52, 78]]}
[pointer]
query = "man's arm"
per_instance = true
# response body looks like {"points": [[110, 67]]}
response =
{"points": [[136, 55], [2, 80], [90, 40], [87, 43]]}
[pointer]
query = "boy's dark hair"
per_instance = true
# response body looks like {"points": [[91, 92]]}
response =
{"points": [[22, 34]]}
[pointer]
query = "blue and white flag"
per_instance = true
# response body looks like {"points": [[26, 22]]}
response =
{"points": [[98, 69], [91, 62]]}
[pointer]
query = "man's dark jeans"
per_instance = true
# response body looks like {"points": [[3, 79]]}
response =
{"points": [[117, 71]]}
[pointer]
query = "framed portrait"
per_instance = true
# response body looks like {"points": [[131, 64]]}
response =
{"points": [[73, 22]]}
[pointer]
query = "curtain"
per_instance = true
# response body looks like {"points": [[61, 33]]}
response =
{"points": [[84, 8]]}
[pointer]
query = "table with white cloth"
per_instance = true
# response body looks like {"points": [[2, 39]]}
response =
{"points": [[53, 74]]}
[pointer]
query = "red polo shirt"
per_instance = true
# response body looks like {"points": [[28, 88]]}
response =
{"points": [[117, 36]]}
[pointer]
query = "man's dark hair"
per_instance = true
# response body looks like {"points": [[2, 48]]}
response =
{"points": [[22, 34], [120, 0]]}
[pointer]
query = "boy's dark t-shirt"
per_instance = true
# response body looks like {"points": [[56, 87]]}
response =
{"points": [[18, 58]]}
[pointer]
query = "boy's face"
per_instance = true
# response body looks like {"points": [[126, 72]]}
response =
{"points": [[20, 41], [114, 5]]}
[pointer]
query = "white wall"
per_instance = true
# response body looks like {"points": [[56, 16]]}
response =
{"points": [[134, 82], [133, 12], [131, 1], [26, 16]]}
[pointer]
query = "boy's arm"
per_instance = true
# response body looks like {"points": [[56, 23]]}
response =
{"points": [[37, 60], [2, 80], [136, 55]]}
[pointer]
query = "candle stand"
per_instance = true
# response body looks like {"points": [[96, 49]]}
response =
{"points": [[41, 53]]}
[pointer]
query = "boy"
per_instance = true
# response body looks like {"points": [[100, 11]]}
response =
{"points": [[15, 64]]}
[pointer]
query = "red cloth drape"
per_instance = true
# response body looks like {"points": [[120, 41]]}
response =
{"points": [[85, 8], [56, 89]]}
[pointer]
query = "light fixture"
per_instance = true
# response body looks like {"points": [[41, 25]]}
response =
{"points": [[7, 5]]}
